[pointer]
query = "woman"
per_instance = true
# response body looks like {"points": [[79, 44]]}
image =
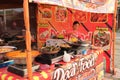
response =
{"points": [[74, 33]]}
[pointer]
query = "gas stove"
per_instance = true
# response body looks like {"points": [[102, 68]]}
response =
{"points": [[21, 69], [53, 58]]}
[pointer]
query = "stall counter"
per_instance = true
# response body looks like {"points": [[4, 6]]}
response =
{"points": [[86, 67]]}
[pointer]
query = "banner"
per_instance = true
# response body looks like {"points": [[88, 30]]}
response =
{"points": [[57, 20], [96, 6]]}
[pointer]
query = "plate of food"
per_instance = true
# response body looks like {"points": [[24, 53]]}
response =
{"points": [[4, 49]]}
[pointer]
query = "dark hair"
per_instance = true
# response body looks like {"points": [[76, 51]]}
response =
{"points": [[75, 22]]}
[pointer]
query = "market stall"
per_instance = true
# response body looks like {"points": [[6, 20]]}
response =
{"points": [[95, 19], [60, 56]]}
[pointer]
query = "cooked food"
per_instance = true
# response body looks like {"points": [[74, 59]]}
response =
{"points": [[64, 45], [74, 39], [4, 49], [50, 49], [60, 36]]}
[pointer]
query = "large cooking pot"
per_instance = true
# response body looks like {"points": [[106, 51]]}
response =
{"points": [[19, 56]]}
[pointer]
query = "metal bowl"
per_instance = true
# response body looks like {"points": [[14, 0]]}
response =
{"points": [[21, 60]]}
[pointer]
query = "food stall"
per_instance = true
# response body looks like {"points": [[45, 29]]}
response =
{"points": [[84, 59], [95, 21]]}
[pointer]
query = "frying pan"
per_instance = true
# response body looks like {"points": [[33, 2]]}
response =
{"points": [[44, 50]]}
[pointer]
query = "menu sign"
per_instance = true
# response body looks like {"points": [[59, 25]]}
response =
{"points": [[56, 21], [54, 2], [102, 38]]}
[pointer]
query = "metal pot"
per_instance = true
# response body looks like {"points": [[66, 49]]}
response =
{"points": [[21, 60]]}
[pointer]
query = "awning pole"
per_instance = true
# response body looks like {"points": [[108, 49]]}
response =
{"points": [[114, 37], [28, 39]]}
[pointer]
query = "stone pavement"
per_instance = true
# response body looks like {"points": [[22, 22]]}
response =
{"points": [[116, 76], [117, 51]]}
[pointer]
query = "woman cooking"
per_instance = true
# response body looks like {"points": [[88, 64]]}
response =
{"points": [[73, 34]]}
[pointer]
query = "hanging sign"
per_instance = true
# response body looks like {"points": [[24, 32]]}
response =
{"points": [[97, 6], [54, 2]]}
